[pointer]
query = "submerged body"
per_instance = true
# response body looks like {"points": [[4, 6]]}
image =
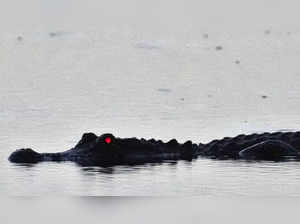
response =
{"points": [[107, 150]]}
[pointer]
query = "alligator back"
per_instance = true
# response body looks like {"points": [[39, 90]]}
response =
{"points": [[229, 147]]}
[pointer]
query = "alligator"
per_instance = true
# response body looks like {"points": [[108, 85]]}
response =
{"points": [[108, 150]]}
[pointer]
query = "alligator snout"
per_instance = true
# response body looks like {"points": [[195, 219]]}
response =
{"points": [[25, 156]]}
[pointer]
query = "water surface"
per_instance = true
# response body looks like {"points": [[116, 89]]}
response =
{"points": [[131, 70]]}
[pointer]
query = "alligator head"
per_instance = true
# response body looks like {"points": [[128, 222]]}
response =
{"points": [[106, 150]]}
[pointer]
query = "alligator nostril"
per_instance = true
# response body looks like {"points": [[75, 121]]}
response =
{"points": [[25, 156]]}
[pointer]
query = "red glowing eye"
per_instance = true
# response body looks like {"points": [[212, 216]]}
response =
{"points": [[108, 140]]}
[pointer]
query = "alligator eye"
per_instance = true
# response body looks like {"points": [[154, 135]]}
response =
{"points": [[108, 140]]}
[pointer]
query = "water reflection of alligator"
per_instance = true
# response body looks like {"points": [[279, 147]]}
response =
{"points": [[107, 150]]}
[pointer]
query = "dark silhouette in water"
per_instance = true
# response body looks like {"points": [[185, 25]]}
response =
{"points": [[107, 150]]}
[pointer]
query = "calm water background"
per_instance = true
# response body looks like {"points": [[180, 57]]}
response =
{"points": [[193, 71]]}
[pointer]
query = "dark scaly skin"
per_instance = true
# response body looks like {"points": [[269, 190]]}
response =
{"points": [[93, 150], [229, 147]]}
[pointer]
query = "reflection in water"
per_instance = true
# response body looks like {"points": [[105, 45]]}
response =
{"points": [[24, 165], [126, 168], [199, 177]]}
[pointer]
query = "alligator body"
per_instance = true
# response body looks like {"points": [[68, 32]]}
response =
{"points": [[108, 150]]}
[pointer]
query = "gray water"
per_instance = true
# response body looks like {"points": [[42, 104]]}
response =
{"points": [[151, 69]]}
